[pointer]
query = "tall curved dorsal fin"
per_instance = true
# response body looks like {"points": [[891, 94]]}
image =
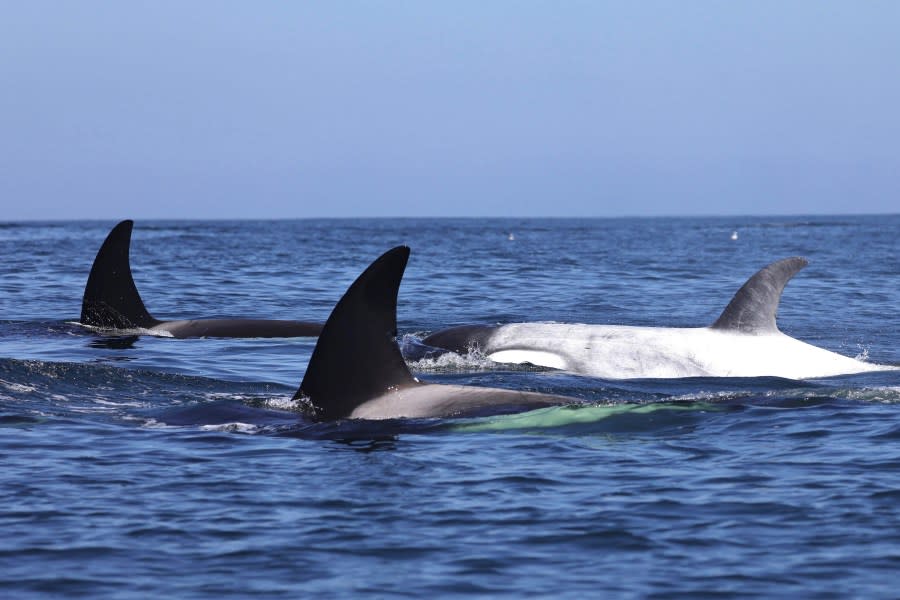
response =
{"points": [[111, 299], [753, 308], [356, 357]]}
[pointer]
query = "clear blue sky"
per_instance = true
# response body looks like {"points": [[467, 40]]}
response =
{"points": [[464, 108]]}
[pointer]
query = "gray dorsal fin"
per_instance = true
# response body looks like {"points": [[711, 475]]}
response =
{"points": [[111, 299], [356, 357], [753, 308]]}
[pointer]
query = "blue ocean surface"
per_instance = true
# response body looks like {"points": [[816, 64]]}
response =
{"points": [[154, 467]]}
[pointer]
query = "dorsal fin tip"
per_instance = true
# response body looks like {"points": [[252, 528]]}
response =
{"points": [[111, 299], [356, 357], [754, 307]]}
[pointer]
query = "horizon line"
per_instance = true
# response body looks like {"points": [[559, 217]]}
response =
{"points": [[448, 217]]}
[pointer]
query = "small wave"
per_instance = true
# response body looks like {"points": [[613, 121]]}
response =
{"points": [[19, 420], [452, 362], [264, 400], [105, 402], [236, 427], [797, 224], [288, 404], [214, 396], [883, 395], [472, 361], [17, 387], [720, 396]]}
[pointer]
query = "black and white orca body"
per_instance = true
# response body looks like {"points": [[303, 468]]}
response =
{"points": [[743, 342], [111, 302], [357, 371]]}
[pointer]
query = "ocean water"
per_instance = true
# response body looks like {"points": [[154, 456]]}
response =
{"points": [[152, 467]]}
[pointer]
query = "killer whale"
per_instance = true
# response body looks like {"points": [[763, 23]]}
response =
{"points": [[743, 342], [357, 371], [111, 302]]}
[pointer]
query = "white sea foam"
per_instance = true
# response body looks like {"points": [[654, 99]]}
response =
{"points": [[702, 396], [17, 387], [287, 403], [473, 361], [452, 362], [105, 402], [235, 427], [214, 396], [885, 395]]}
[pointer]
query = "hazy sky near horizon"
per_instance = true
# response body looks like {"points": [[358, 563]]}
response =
{"points": [[215, 109]]}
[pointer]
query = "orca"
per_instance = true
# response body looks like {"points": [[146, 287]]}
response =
{"points": [[111, 302], [743, 342], [356, 370]]}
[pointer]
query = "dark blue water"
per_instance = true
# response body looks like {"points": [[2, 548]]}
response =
{"points": [[158, 467]]}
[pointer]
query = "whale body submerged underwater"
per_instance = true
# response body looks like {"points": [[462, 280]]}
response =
{"points": [[743, 342], [111, 302]]}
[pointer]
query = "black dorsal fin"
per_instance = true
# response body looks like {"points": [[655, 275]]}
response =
{"points": [[111, 299], [753, 308], [356, 357]]}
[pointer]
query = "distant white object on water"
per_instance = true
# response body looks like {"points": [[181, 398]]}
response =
{"points": [[734, 235], [510, 236]]}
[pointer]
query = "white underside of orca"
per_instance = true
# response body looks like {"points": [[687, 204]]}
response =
{"points": [[626, 352], [211, 328], [442, 401]]}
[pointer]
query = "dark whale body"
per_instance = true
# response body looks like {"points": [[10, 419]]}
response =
{"points": [[357, 371], [111, 302]]}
